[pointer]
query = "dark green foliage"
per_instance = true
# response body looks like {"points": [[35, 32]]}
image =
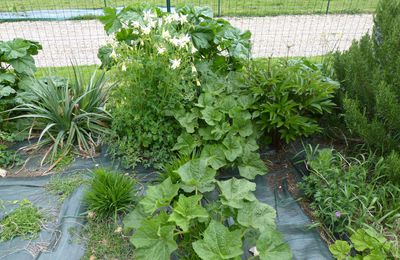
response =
{"points": [[290, 97], [370, 80], [110, 194], [349, 192], [8, 158]]}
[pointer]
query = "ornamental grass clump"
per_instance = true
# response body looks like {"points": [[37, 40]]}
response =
{"points": [[67, 115]]}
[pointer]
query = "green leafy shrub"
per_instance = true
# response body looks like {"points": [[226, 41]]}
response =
{"points": [[219, 127], [154, 61], [68, 114], [110, 194], [367, 242], [17, 69], [24, 221], [182, 220], [290, 98], [9, 159], [349, 192], [370, 81]]}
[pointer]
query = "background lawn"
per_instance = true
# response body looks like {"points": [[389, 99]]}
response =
{"points": [[227, 7]]}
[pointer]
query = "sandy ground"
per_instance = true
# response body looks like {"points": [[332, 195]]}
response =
{"points": [[300, 35]]}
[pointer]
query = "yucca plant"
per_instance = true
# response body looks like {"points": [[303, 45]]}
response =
{"points": [[67, 115], [110, 194]]}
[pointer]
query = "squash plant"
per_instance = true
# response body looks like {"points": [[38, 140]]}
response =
{"points": [[219, 126], [183, 220]]}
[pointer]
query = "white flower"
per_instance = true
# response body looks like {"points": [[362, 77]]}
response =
{"points": [[152, 24], [136, 24], [148, 15], [161, 50], [194, 70], [181, 42], [166, 35], [174, 17], [183, 18], [113, 54], [254, 251], [146, 29], [175, 63], [123, 67], [219, 48], [193, 50]]}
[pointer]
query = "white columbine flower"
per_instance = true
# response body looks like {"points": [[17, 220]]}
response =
{"points": [[166, 35], [194, 70], [146, 30], [113, 54], [152, 24], [175, 63], [136, 24], [161, 50], [148, 15], [123, 67], [183, 18], [174, 17], [193, 50]]}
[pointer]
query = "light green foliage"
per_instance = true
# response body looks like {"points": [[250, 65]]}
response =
{"points": [[367, 242], [370, 81], [196, 175], [158, 196], [154, 239], [154, 62], [110, 194], [290, 97], [271, 247], [186, 209], [64, 186], [228, 137], [234, 192], [219, 243], [68, 114], [173, 220], [17, 69], [25, 221], [351, 192]]}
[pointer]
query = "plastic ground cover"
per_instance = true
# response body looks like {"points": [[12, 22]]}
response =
{"points": [[55, 241]]}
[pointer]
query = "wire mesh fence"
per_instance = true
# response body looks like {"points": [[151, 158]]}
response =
{"points": [[69, 29]]}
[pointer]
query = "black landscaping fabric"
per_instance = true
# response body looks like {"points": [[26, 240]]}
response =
{"points": [[56, 241]]}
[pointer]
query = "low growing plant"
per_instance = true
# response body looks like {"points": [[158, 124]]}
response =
{"points": [[25, 221], [183, 220], [68, 115], [349, 192], [367, 243], [64, 186], [9, 159], [110, 194]]}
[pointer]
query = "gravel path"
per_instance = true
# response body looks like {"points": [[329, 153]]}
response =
{"points": [[300, 35]]}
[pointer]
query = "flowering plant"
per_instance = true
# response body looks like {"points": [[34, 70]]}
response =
{"points": [[154, 57]]}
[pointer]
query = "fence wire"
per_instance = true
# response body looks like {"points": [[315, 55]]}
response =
{"points": [[69, 30]]}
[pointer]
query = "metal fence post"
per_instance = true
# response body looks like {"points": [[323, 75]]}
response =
{"points": [[219, 7], [168, 6], [105, 3], [327, 7]]}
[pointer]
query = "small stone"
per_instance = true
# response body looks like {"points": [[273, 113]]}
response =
{"points": [[3, 173]]}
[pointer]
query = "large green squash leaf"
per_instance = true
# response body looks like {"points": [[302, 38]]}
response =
{"points": [[186, 143], [219, 243], [257, 215], [5, 91], [186, 209], [252, 165], [197, 175], [159, 196], [211, 115], [24, 65], [135, 218], [154, 239], [233, 147], [215, 155], [271, 246], [187, 120], [235, 192]]}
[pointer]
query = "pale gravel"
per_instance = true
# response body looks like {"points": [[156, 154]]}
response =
{"points": [[300, 35]]}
